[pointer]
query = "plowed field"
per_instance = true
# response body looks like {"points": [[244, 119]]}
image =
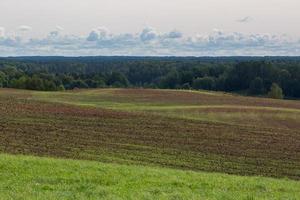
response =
{"points": [[212, 132]]}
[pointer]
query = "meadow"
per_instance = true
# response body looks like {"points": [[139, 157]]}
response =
{"points": [[26, 177], [196, 133]]}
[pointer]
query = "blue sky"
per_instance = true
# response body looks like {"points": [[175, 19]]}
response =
{"points": [[144, 27]]}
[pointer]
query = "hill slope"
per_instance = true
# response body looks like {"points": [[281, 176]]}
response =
{"points": [[204, 131], [42, 178]]}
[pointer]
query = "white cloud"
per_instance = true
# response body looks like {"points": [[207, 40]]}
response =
{"points": [[245, 19], [100, 33], [24, 28], [101, 41], [2, 32], [53, 34], [10, 42], [103, 31], [174, 34], [148, 34], [93, 36], [59, 28]]}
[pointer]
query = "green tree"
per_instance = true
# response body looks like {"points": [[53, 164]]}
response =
{"points": [[11, 72], [186, 86], [171, 80], [119, 79], [275, 92], [256, 86], [186, 77], [35, 83], [3, 79], [19, 83], [61, 88], [49, 85], [206, 83], [79, 84]]}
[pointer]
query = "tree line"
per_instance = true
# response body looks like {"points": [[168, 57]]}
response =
{"points": [[276, 77]]}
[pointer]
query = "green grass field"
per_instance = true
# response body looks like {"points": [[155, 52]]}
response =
{"points": [[147, 144], [23, 177], [202, 105]]}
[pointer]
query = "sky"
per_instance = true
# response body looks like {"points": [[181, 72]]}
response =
{"points": [[149, 27]]}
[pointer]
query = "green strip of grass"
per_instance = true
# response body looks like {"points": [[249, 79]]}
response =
{"points": [[104, 99], [23, 177], [107, 100]]}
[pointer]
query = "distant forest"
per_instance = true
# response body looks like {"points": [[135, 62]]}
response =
{"points": [[246, 75]]}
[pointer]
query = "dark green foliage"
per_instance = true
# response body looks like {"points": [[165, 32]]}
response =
{"points": [[205, 83], [171, 80], [61, 88], [117, 79], [248, 75], [79, 84], [256, 86], [275, 92], [49, 86], [3, 79], [186, 86], [20, 83]]}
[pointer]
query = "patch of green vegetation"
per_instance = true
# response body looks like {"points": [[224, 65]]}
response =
{"points": [[109, 99], [23, 177]]}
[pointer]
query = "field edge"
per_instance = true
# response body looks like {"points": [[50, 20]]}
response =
{"points": [[40, 177]]}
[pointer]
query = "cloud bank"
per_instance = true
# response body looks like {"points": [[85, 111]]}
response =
{"points": [[148, 42], [24, 28], [2, 32]]}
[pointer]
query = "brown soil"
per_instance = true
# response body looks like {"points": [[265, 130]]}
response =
{"points": [[47, 129]]}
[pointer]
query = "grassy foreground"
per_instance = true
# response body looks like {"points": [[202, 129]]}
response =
{"points": [[23, 177]]}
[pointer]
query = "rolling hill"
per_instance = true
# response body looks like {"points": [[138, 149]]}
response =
{"points": [[184, 130]]}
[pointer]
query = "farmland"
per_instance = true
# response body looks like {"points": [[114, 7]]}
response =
{"points": [[190, 130]]}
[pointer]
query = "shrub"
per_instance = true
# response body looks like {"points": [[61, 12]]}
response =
{"points": [[275, 92]]}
